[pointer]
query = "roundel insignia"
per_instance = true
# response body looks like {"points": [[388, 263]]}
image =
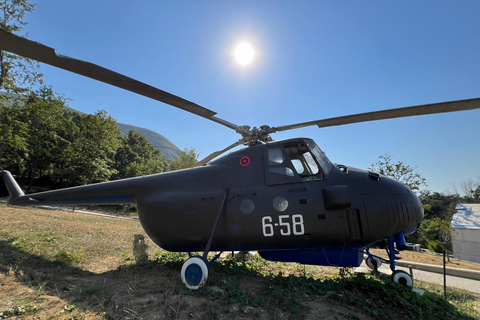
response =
{"points": [[244, 161]]}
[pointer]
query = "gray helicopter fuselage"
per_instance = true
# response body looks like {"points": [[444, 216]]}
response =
{"points": [[280, 195], [347, 206]]}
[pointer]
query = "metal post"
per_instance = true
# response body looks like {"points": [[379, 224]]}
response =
{"points": [[444, 276]]}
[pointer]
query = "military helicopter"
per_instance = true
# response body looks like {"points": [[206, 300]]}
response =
{"points": [[284, 199]]}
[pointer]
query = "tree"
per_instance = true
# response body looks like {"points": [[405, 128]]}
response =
{"points": [[16, 71], [187, 159], [35, 129], [91, 153], [471, 189], [137, 156], [13, 133], [398, 171], [47, 134]]}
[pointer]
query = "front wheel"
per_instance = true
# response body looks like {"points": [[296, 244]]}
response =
{"points": [[402, 277], [194, 272]]}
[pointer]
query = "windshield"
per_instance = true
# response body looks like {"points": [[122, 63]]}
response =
{"points": [[322, 159]]}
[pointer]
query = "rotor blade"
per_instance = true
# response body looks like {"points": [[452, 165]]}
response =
{"points": [[217, 153], [433, 108], [37, 51]]}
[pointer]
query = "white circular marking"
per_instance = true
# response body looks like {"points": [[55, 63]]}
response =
{"points": [[280, 203]]}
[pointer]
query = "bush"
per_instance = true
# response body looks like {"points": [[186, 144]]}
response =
{"points": [[435, 246]]}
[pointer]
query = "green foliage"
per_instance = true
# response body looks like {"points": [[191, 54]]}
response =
{"points": [[398, 171], [16, 71], [439, 205], [136, 156], [14, 133], [19, 311], [68, 258], [187, 159], [435, 246], [45, 140], [439, 209]]}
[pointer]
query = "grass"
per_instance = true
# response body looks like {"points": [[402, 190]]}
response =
{"points": [[436, 259], [60, 265]]}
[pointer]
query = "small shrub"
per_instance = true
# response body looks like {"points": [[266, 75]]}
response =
{"points": [[435, 246]]}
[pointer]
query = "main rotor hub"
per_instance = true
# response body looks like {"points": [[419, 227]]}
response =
{"points": [[256, 135]]}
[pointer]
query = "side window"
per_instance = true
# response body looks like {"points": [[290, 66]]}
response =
{"points": [[276, 162], [279, 168]]}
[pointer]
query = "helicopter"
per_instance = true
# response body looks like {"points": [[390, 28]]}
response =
{"points": [[284, 199]]}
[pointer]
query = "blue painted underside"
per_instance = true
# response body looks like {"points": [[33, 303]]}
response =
{"points": [[334, 256]]}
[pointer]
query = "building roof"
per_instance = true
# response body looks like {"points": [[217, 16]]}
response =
{"points": [[467, 216]]}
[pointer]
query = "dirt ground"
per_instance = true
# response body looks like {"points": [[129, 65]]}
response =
{"points": [[60, 265]]}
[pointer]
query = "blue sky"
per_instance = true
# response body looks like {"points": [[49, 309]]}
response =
{"points": [[314, 60]]}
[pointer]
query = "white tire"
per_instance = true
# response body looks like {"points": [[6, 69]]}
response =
{"points": [[402, 277], [194, 273], [373, 262]]}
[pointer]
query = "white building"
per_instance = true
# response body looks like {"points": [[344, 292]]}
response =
{"points": [[466, 232]]}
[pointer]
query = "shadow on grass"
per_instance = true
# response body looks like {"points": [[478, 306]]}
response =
{"points": [[152, 288], [126, 292]]}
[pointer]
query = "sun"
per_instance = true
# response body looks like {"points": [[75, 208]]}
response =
{"points": [[244, 53]]}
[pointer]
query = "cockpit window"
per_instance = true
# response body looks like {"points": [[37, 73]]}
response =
{"points": [[295, 161], [311, 163], [275, 156], [276, 162], [320, 156], [303, 161]]}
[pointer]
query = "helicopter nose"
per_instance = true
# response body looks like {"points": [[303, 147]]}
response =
{"points": [[391, 207], [418, 213]]}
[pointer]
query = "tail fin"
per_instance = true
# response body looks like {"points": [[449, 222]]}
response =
{"points": [[9, 187]]}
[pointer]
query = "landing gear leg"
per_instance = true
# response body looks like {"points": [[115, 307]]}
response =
{"points": [[398, 276], [194, 271]]}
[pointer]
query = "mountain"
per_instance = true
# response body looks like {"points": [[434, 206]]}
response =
{"points": [[169, 150]]}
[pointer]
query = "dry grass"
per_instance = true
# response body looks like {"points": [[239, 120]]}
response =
{"points": [[430, 258], [61, 265]]}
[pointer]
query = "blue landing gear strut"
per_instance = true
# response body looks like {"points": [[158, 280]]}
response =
{"points": [[393, 245]]}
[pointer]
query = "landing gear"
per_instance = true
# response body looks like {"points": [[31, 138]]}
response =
{"points": [[373, 262], [195, 272], [402, 278]]}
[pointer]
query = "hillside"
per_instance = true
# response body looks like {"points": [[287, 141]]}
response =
{"points": [[169, 150]]}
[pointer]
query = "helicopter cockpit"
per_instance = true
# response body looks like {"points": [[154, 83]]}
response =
{"points": [[296, 160]]}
